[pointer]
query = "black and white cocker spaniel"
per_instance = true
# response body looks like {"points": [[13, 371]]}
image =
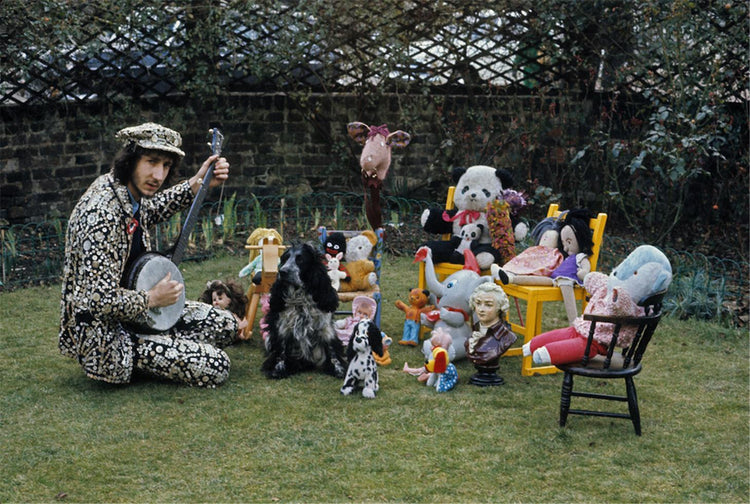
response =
{"points": [[363, 370], [301, 334]]}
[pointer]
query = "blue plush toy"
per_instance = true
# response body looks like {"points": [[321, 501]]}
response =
{"points": [[643, 273]]}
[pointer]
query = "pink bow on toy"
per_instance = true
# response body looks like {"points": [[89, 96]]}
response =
{"points": [[378, 130]]}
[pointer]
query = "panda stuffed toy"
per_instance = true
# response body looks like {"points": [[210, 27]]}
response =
{"points": [[479, 188]]}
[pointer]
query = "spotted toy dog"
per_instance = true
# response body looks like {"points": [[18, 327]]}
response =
{"points": [[363, 370], [301, 334]]}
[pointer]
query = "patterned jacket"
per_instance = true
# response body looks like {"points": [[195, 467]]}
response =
{"points": [[93, 305]]}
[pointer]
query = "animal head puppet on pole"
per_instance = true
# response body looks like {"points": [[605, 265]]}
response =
{"points": [[375, 161]]}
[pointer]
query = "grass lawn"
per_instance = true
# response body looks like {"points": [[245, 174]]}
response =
{"points": [[67, 438]]}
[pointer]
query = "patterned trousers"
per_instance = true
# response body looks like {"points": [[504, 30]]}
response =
{"points": [[190, 352]]}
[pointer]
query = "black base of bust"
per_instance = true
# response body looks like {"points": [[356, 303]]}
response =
{"points": [[486, 378]]}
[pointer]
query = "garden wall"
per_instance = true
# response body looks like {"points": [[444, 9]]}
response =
{"points": [[277, 144]]}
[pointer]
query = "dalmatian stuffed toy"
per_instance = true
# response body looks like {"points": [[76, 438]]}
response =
{"points": [[363, 370], [477, 189]]}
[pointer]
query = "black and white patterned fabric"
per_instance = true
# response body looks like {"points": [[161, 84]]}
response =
{"points": [[94, 306]]}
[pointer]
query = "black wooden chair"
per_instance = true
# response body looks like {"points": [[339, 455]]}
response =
{"points": [[623, 364]]}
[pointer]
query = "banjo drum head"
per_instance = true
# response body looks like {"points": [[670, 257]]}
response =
{"points": [[153, 268]]}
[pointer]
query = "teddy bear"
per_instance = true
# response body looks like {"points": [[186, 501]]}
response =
{"points": [[469, 234], [478, 189], [418, 304], [360, 269]]}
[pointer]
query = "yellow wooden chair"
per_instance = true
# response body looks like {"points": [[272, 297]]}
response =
{"points": [[536, 295]]}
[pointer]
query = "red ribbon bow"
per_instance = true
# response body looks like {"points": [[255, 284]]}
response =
{"points": [[378, 130], [464, 216]]}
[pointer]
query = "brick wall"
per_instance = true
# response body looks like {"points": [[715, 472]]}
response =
{"points": [[49, 155]]}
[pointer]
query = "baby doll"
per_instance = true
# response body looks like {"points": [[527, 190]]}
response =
{"points": [[566, 345], [491, 335], [546, 264], [438, 371], [418, 299], [226, 296], [362, 307]]}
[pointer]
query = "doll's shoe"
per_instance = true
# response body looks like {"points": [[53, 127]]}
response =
{"points": [[407, 342], [499, 274], [526, 349], [541, 356]]}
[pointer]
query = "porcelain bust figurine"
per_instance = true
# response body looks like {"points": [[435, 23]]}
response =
{"points": [[491, 335]]}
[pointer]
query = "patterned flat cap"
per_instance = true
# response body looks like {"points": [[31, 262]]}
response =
{"points": [[152, 136]]}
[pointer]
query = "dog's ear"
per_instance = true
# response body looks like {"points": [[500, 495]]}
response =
{"points": [[376, 339]]}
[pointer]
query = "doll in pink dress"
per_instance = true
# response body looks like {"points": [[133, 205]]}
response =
{"points": [[560, 258]]}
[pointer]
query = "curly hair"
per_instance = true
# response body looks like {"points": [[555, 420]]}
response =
{"points": [[127, 159], [230, 288]]}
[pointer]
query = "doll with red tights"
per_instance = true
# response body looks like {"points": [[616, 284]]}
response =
{"points": [[566, 345]]}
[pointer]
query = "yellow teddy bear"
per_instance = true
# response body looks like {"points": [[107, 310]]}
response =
{"points": [[360, 269]]}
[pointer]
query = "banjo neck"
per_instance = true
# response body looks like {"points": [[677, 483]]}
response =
{"points": [[179, 249]]}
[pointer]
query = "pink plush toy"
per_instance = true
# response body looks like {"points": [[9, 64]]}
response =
{"points": [[375, 161]]}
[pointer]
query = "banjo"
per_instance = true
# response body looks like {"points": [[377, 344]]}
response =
{"points": [[149, 268]]}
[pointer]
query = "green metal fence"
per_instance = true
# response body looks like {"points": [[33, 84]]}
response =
{"points": [[704, 287]]}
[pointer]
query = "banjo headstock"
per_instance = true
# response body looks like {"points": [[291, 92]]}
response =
{"points": [[217, 140]]}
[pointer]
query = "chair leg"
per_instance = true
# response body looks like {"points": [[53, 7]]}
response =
{"points": [[250, 311], [635, 414], [567, 388]]}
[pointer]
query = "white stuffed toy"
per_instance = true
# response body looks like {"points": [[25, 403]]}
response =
{"points": [[334, 273], [477, 189]]}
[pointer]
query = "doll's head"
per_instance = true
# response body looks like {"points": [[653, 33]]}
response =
{"points": [[441, 338], [364, 307], [575, 233], [489, 303], [225, 295], [547, 233], [335, 243], [262, 236]]}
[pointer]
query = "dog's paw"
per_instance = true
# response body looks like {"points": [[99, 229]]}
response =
{"points": [[279, 370], [368, 393], [347, 390], [338, 370]]}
